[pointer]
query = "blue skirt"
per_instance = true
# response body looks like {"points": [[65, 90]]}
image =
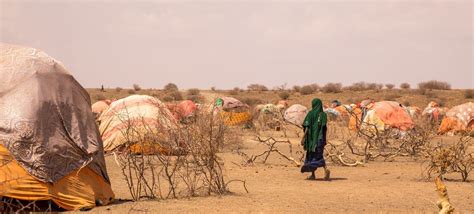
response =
{"points": [[315, 159]]}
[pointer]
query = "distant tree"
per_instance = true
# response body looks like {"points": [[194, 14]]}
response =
{"points": [[389, 86], [296, 88], [307, 89], [193, 91], [136, 87], [284, 95], [332, 88], [171, 87], [434, 84], [405, 86], [257, 87], [469, 94]]}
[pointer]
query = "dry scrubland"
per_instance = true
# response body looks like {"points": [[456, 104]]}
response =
{"points": [[379, 186], [412, 97]]}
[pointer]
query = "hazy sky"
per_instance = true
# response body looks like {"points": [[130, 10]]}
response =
{"points": [[227, 43]]}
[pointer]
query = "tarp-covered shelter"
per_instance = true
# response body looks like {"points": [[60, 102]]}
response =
{"points": [[383, 115], [183, 109], [137, 122], [296, 114], [233, 111], [50, 148], [458, 118], [100, 106]]}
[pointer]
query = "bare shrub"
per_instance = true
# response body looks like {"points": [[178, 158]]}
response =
{"points": [[175, 95], [332, 88], [272, 148], [469, 94], [131, 91], [296, 88], [137, 87], [168, 98], [196, 98], [363, 86], [234, 91], [284, 95], [118, 89], [405, 86], [213, 88], [390, 86], [434, 85], [257, 87], [307, 89], [193, 169], [193, 91], [171, 87], [452, 158]]}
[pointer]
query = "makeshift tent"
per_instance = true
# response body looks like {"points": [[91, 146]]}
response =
{"points": [[233, 111], [355, 118], [296, 114], [383, 115], [50, 148], [182, 110], [458, 118], [413, 111], [100, 106], [339, 112], [137, 121], [270, 109], [434, 112]]}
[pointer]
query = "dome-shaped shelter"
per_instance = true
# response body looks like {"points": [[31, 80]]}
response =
{"points": [[384, 115], [458, 118], [233, 111], [49, 143], [139, 122], [296, 114]]}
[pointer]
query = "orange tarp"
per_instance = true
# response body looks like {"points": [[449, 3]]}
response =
{"points": [[80, 189]]}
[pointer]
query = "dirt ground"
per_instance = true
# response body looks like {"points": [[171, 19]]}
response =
{"points": [[278, 186]]}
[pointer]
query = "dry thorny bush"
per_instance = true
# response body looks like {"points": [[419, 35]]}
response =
{"points": [[186, 163], [452, 158]]}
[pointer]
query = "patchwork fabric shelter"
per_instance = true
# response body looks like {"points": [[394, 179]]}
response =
{"points": [[458, 118], [296, 114], [182, 110], [233, 111], [388, 114], [50, 148], [137, 121], [269, 109], [100, 106]]}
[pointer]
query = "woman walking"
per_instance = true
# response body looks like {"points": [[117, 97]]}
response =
{"points": [[314, 140]]}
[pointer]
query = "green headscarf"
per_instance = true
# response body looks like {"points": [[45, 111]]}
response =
{"points": [[314, 122]]}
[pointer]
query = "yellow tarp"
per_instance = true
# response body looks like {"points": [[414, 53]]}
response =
{"points": [[79, 189], [235, 118]]}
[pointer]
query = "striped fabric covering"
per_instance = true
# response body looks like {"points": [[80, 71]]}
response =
{"points": [[133, 119]]}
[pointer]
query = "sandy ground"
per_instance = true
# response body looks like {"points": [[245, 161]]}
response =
{"points": [[278, 186]]}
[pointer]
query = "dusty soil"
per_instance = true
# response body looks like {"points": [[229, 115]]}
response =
{"points": [[278, 186]]}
